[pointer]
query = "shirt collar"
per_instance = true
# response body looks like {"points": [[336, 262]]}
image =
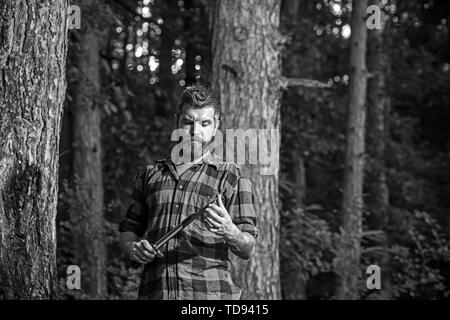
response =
{"points": [[210, 159]]}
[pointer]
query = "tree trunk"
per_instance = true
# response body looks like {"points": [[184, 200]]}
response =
{"points": [[377, 102], [167, 80], [197, 39], [246, 69], [33, 48], [347, 264], [293, 281], [87, 212], [191, 49]]}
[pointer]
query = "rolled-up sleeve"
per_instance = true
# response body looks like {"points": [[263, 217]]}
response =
{"points": [[136, 217], [241, 207]]}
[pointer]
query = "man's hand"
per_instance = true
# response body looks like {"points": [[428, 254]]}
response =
{"points": [[218, 220], [142, 252]]}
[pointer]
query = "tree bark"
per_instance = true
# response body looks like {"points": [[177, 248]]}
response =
{"points": [[347, 263], [87, 212], [33, 48], [246, 72], [378, 105]]}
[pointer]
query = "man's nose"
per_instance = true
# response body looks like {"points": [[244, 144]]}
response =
{"points": [[196, 129]]}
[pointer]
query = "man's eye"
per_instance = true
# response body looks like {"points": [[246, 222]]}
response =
{"points": [[205, 123]]}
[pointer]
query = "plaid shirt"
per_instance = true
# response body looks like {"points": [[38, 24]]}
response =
{"points": [[195, 263]]}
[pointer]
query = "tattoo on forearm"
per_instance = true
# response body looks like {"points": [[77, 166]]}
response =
{"points": [[242, 245]]}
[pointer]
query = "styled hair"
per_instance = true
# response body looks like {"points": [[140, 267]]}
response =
{"points": [[197, 97]]}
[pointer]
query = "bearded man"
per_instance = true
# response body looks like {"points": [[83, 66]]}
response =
{"points": [[195, 264]]}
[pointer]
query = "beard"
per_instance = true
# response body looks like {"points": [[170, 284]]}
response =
{"points": [[198, 147], [191, 148]]}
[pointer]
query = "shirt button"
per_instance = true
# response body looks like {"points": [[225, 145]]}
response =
{"points": [[181, 187]]}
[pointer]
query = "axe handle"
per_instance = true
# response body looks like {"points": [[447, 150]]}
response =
{"points": [[173, 232]]}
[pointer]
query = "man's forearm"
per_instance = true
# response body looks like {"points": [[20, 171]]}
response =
{"points": [[241, 243]]}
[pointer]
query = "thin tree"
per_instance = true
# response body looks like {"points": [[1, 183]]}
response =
{"points": [[348, 259], [33, 46], [87, 213], [377, 107], [293, 283]]}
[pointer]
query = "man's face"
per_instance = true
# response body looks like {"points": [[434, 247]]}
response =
{"points": [[201, 125]]}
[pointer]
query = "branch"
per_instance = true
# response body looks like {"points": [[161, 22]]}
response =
{"points": [[300, 82], [126, 7], [372, 233], [372, 249], [132, 11], [108, 57]]}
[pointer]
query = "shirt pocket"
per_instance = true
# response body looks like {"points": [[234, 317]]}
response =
{"points": [[202, 198], [198, 229]]}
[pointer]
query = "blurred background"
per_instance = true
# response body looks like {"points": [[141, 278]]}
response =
{"points": [[131, 60]]}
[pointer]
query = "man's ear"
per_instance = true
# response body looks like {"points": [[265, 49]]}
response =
{"points": [[216, 126]]}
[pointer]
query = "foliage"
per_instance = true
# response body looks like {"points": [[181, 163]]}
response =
{"points": [[419, 260], [306, 241]]}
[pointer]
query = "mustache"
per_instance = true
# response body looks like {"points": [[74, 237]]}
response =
{"points": [[197, 139]]}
